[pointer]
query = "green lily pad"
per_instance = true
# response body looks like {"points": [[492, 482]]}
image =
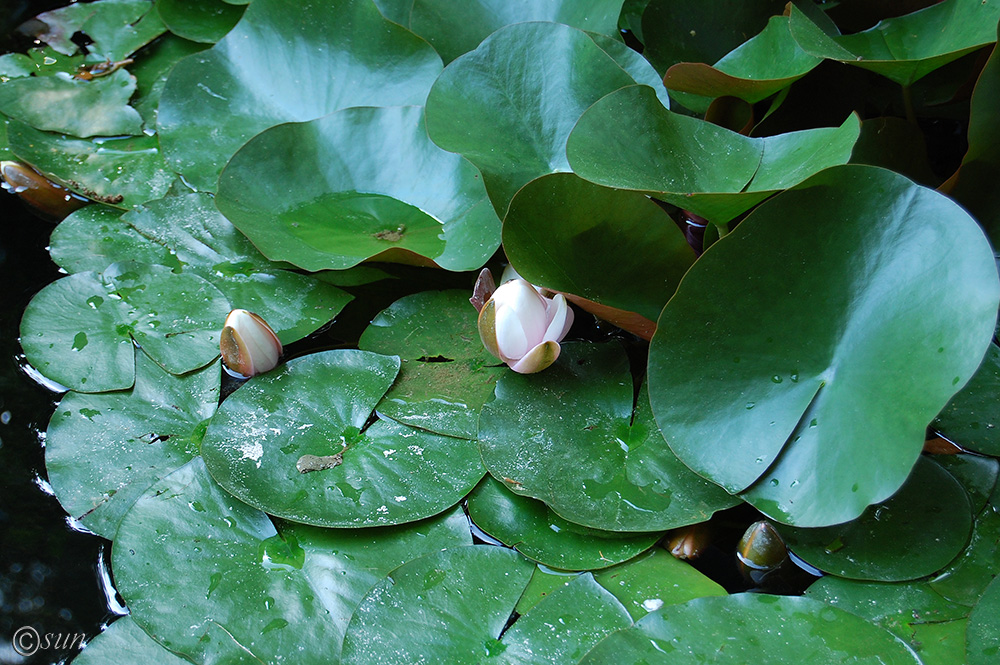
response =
{"points": [[615, 247], [746, 628], [103, 451], [915, 533], [285, 63], [542, 536], [292, 443], [811, 375], [188, 234], [972, 417], [211, 579], [451, 607], [123, 172], [445, 375], [125, 642], [79, 330], [199, 20], [755, 70], [932, 626], [456, 29], [983, 634], [509, 106], [117, 28], [346, 206], [151, 68], [692, 163], [909, 47], [965, 579], [574, 437], [977, 474], [98, 107]]}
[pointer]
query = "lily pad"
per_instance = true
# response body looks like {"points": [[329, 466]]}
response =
{"points": [[906, 48], [293, 442], [746, 628], [977, 474], [123, 172], [452, 606], [615, 247], [983, 634], [445, 375], [213, 580], [117, 28], [125, 642], [103, 451], [509, 106], [456, 29], [79, 330], [972, 417], [199, 20], [965, 579], [188, 234], [754, 388], [346, 206], [915, 533], [575, 437], [285, 63], [151, 68], [542, 536], [698, 166]]}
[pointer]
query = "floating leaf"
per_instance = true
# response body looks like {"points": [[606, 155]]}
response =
{"points": [[199, 20], [745, 628], [694, 164], [509, 106], [117, 28], [977, 474], [615, 247], [909, 47], [286, 63], [915, 533], [118, 171], [965, 579], [446, 375], [754, 387], [346, 206], [210, 578], [187, 234], [542, 536], [103, 451], [983, 634], [574, 437], [972, 417], [292, 443], [79, 330], [125, 642], [151, 68]]}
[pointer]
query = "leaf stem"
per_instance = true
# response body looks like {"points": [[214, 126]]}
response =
{"points": [[911, 115]]}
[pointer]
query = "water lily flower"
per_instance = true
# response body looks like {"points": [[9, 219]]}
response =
{"points": [[249, 346], [522, 328]]}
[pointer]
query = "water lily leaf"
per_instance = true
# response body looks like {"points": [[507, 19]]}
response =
{"points": [[291, 443], [152, 66], [117, 28], [634, 64], [456, 29], [452, 606], [692, 163], [615, 247], [906, 48], [286, 63], [103, 451], [188, 234], [542, 536], [895, 144], [125, 642], [818, 385], [932, 626], [514, 127], [745, 628], [98, 107], [446, 375], [199, 20], [977, 474], [397, 11], [915, 533], [983, 634], [226, 584], [972, 417], [346, 206], [965, 579], [123, 172], [755, 70], [574, 437], [79, 330]]}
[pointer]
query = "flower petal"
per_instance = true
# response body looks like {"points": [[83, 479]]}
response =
{"points": [[538, 358]]}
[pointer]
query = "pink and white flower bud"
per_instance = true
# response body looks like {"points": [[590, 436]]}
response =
{"points": [[249, 346]]}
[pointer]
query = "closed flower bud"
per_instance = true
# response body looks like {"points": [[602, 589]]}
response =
{"points": [[249, 346], [522, 328]]}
